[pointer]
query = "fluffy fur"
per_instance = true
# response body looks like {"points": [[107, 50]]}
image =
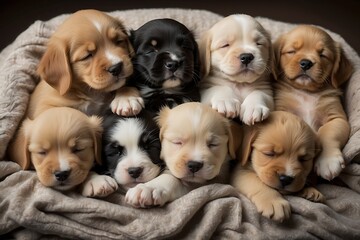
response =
{"points": [[166, 64], [131, 148], [277, 158], [311, 68], [236, 55], [197, 143]]}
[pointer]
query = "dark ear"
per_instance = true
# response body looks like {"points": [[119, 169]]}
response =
{"points": [[342, 68], [54, 66], [197, 62]]}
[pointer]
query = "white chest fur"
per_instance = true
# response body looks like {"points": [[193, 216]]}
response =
{"points": [[306, 107]]}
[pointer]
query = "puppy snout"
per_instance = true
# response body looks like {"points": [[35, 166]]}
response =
{"points": [[116, 69], [306, 64], [135, 172], [172, 65], [62, 175], [285, 180], [246, 58], [194, 166]]}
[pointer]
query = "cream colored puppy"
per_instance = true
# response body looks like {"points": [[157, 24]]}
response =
{"points": [[196, 144], [236, 57]]}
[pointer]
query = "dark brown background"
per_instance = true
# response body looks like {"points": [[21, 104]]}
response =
{"points": [[342, 17]]}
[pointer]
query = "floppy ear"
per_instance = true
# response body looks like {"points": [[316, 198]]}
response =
{"points": [[55, 68], [205, 53], [161, 120], [130, 48], [19, 149], [250, 134], [235, 137], [197, 63], [97, 130], [342, 68]]}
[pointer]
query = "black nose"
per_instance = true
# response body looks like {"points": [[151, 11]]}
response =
{"points": [[116, 69], [306, 64], [285, 180], [135, 172], [62, 175], [172, 65], [194, 166], [246, 58]]}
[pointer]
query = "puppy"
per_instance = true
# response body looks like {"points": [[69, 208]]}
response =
{"points": [[131, 148], [311, 68], [166, 64], [277, 157], [62, 144], [236, 57], [196, 145]]}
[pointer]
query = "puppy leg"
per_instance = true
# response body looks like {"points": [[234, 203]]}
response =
{"points": [[256, 107], [127, 102], [268, 201], [98, 185], [222, 99], [160, 190], [333, 136], [312, 194]]}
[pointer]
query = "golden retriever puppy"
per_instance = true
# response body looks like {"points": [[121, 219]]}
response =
{"points": [[196, 144], [311, 68], [277, 157], [62, 144], [236, 55]]}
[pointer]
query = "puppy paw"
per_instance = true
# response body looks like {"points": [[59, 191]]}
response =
{"points": [[142, 196], [228, 108], [127, 106], [329, 166], [99, 186], [275, 208], [250, 114], [312, 194]]}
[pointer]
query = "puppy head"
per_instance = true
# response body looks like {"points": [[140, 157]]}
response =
{"points": [[281, 150], [90, 49], [308, 58], [63, 144], [167, 54], [131, 148], [237, 48], [195, 141]]}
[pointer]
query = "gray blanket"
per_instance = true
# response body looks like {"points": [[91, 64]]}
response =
{"points": [[29, 210]]}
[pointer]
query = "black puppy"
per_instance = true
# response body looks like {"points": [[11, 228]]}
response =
{"points": [[131, 148], [166, 64]]}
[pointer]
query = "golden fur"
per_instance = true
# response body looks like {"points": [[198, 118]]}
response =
{"points": [[310, 70], [236, 57], [276, 157]]}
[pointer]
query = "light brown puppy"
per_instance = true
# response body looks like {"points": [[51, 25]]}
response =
{"points": [[196, 144], [236, 56], [62, 144], [277, 157], [311, 68]]}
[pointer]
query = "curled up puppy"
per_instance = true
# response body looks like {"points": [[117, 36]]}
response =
{"points": [[196, 146], [277, 156], [237, 60]]}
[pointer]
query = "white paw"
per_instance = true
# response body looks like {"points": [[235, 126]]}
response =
{"points": [[99, 186], [329, 166], [229, 108], [250, 114], [127, 106], [144, 196]]}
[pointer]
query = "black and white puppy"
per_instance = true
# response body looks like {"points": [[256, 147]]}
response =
{"points": [[131, 148], [166, 64]]}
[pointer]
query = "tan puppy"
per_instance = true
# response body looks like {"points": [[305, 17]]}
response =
{"points": [[62, 145], [277, 157], [196, 143], [236, 56], [311, 67]]}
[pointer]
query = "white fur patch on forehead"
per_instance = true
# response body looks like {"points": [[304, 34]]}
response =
{"points": [[196, 117], [112, 58], [97, 25], [127, 132], [247, 22]]}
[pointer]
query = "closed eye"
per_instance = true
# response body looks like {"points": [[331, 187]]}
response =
{"points": [[225, 45], [87, 57], [269, 153], [77, 149]]}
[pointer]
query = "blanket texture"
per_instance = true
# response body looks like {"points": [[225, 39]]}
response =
{"points": [[29, 210]]}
